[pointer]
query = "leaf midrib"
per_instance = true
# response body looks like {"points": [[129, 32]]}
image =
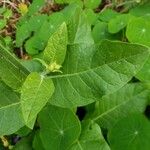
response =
{"points": [[116, 107], [91, 69]]}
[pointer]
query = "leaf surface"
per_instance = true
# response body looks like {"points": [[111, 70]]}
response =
{"points": [[55, 50], [96, 71], [90, 138], [59, 128], [10, 111], [35, 93], [129, 99], [130, 133], [12, 72]]}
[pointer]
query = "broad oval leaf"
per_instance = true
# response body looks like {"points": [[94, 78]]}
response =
{"points": [[119, 22], [138, 31], [35, 93], [96, 71], [129, 99], [10, 111], [90, 138], [12, 72], [59, 128], [130, 133]]}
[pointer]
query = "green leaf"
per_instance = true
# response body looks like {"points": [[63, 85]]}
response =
{"points": [[96, 71], [59, 128], [3, 23], [92, 3], [25, 28], [35, 93], [7, 14], [91, 16], [90, 138], [144, 73], [32, 65], [10, 111], [12, 72], [22, 33], [35, 6], [141, 10], [55, 50], [39, 40], [37, 143], [119, 22], [129, 99], [79, 31], [107, 15], [100, 32], [130, 133], [138, 31]]}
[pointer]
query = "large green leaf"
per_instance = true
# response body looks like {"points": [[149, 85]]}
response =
{"points": [[130, 133], [12, 72], [59, 128], [129, 99], [35, 93], [55, 50], [10, 111], [96, 71], [138, 31], [90, 138]]}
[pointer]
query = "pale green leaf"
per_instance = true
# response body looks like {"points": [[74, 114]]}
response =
{"points": [[35, 93], [55, 50], [59, 128], [96, 71]]}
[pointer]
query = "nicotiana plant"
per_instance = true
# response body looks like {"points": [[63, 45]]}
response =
{"points": [[85, 84]]}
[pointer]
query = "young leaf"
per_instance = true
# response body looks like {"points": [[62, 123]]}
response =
{"points": [[118, 23], [138, 31], [92, 3], [12, 72], [90, 138], [10, 111], [35, 93], [107, 15], [35, 6], [100, 32], [129, 99], [130, 133], [59, 128], [96, 71], [55, 50]]}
